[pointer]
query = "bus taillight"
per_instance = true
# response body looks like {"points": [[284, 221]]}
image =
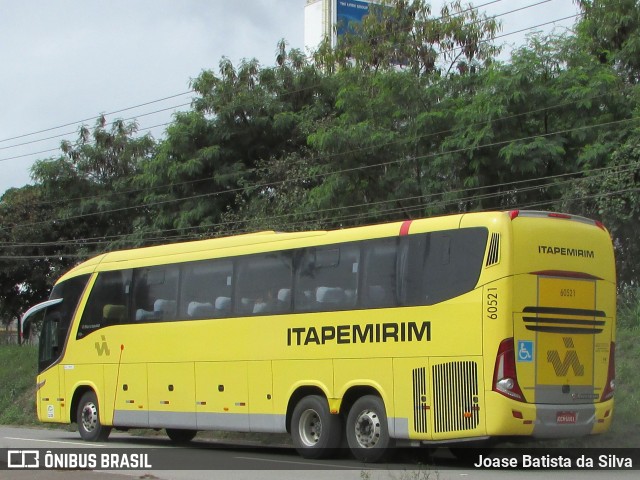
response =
{"points": [[505, 379], [610, 386]]}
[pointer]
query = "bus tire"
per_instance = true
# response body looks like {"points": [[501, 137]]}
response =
{"points": [[179, 436], [368, 430], [88, 418], [314, 431]]}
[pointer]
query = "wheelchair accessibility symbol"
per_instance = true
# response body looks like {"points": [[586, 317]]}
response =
{"points": [[525, 351]]}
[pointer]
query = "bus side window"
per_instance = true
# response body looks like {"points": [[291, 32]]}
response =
{"points": [[155, 293], [205, 290], [108, 302], [264, 284], [411, 265], [379, 275], [327, 278]]}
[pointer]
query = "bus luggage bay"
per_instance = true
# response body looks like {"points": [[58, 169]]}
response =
{"points": [[435, 331]]}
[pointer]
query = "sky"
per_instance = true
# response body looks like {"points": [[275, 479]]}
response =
{"points": [[63, 62]]}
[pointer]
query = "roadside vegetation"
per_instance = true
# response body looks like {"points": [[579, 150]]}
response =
{"points": [[17, 385]]}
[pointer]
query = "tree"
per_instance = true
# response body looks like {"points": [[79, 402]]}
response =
{"points": [[403, 34], [80, 204], [613, 195], [400, 74], [217, 156], [90, 185], [28, 267], [611, 31], [532, 121]]}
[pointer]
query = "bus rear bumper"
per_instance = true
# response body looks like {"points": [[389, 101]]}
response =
{"points": [[561, 421], [546, 420]]}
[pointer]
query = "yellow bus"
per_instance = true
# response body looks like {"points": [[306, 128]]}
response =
{"points": [[437, 331]]}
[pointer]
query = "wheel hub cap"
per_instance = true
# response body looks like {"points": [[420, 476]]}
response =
{"points": [[310, 428], [89, 417], [368, 429]]}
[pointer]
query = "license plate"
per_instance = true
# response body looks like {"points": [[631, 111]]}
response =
{"points": [[564, 418]]}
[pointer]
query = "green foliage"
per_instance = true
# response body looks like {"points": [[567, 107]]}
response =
{"points": [[410, 115], [611, 31], [243, 119], [405, 33], [613, 194], [78, 206], [89, 185], [27, 268]]}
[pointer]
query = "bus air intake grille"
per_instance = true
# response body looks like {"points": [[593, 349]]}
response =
{"points": [[455, 392], [420, 408], [493, 256]]}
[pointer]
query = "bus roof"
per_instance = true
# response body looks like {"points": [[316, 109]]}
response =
{"points": [[264, 241], [239, 244]]}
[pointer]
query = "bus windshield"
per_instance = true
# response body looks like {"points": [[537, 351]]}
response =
{"points": [[57, 319]]}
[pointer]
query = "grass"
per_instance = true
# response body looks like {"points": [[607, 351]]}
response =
{"points": [[17, 385], [18, 371]]}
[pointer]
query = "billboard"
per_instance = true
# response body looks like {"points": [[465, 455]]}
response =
{"points": [[348, 11], [332, 19]]}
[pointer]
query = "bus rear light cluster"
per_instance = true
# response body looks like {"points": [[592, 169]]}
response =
{"points": [[610, 386], [505, 379]]}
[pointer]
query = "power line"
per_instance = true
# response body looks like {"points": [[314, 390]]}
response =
{"points": [[58, 148], [457, 14], [395, 210], [358, 216], [383, 164], [321, 175], [186, 198], [96, 117], [512, 187], [327, 156], [107, 124]]}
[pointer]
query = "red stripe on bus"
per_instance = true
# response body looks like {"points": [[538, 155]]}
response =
{"points": [[404, 229]]}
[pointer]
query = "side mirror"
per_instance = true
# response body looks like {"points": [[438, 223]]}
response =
{"points": [[26, 320]]}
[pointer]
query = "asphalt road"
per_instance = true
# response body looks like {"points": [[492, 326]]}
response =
{"points": [[207, 459]]}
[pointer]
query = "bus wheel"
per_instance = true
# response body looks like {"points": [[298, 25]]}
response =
{"points": [[314, 431], [180, 436], [367, 429], [88, 418]]}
